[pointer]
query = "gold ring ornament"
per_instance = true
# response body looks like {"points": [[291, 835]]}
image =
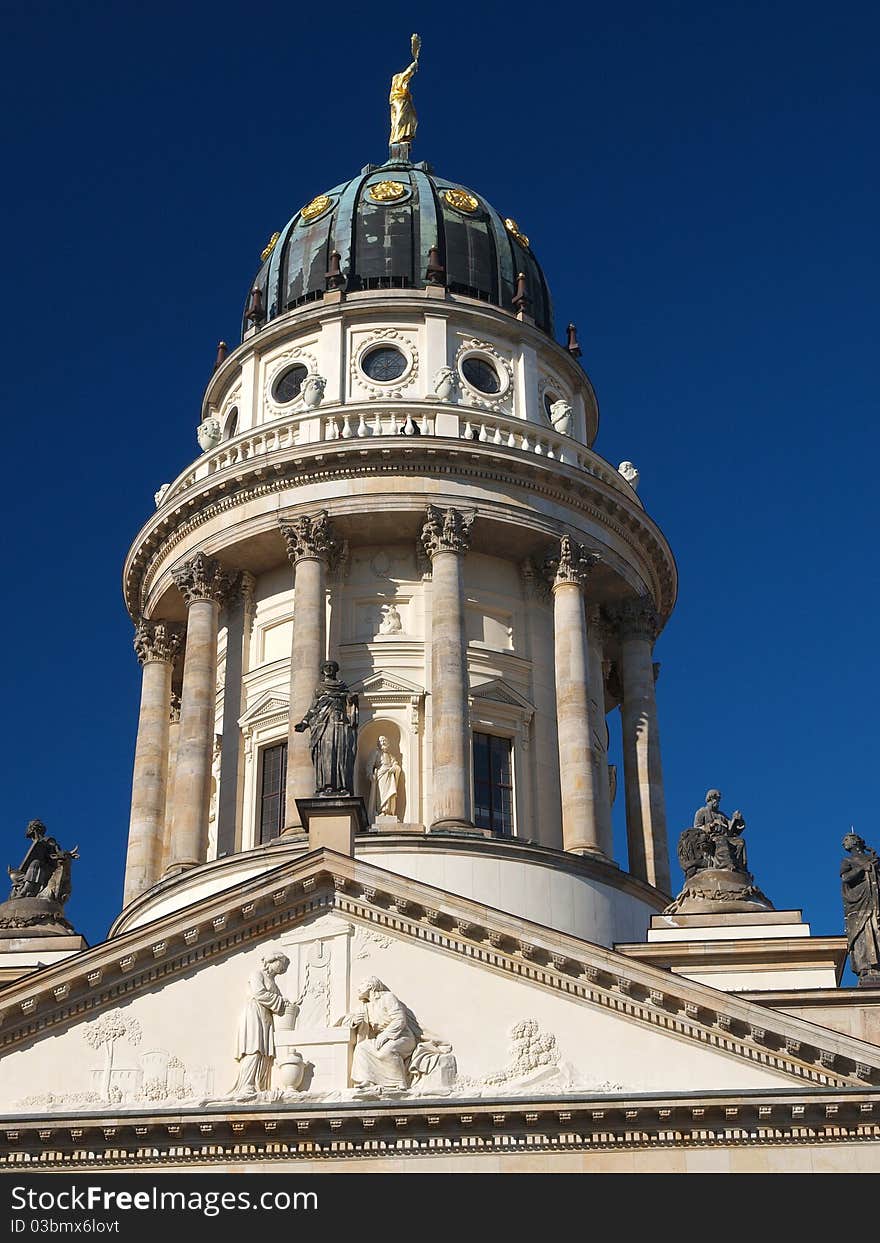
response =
{"points": [[270, 246], [461, 201], [387, 191], [513, 228], [316, 208]]}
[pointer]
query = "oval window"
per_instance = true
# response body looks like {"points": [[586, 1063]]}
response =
{"points": [[232, 423], [385, 363], [549, 399], [481, 375], [286, 387]]}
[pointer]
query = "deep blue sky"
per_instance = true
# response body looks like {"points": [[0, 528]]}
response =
{"points": [[700, 183]]}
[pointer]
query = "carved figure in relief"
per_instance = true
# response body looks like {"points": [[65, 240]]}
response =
{"points": [[390, 623], [861, 908], [385, 775], [392, 1053], [255, 1035], [560, 416], [332, 722], [312, 391]]}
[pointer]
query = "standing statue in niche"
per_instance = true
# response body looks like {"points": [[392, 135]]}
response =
{"points": [[861, 909], [41, 885], [332, 722], [255, 1035], [385, 774], [712, 855]]}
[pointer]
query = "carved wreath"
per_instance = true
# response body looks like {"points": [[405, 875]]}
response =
{"points": [[396, 389], [471, 396]]}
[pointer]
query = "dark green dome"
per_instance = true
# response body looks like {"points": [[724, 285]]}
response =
{"points": [[383, 225]]}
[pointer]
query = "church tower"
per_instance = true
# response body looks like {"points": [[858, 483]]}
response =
{"points": [[407, 935], [397, 473]]}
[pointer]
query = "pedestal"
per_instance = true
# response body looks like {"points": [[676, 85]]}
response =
{"points": [[745, 951], [23, 950], [333, 822]]}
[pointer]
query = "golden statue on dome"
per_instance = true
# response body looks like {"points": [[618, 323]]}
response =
{"points": [[404, 121]]}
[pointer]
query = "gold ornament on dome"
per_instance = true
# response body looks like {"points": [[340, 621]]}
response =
{"points": [[387, 191], [461, 200], [316, 208], [270, 246], [404, 121], [513, 228]]}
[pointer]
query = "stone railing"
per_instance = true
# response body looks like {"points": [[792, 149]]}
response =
{"points": [[360, 423]]}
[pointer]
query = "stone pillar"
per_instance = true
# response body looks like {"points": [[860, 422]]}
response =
{"points": [[239, 623], [596, 629], [581, 827], [311, 546], [204, 585], [156, 644], [173, 733], [446, 539], [638, 626]]}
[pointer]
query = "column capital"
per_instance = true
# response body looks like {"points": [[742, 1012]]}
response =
{"points": [[635, 618], [573, 565], [203, 578], [446, 530], [535, 583], [310, 537], [157, 640]]}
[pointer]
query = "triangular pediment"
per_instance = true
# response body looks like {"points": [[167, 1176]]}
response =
{"points": [[498, 691], [507, 1008], [382, 683], [270, 706]]}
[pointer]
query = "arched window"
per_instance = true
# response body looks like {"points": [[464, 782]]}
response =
{"points": [[231, 424]]}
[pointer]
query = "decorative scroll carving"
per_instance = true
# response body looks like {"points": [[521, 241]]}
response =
{"points": [[446, 530], [203, 578], [635, 617], [310, 536], [573, 565], [157, 640]]}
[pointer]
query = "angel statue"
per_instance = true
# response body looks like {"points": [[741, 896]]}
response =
{"points": [[403, 113]]}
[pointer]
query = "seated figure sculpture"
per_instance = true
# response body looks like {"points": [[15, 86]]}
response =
{"points": [[40, 886], [712, 855]]}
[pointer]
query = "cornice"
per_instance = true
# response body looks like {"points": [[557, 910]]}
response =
{"points": [[353, 1131], [287, 470], [323, 881]]}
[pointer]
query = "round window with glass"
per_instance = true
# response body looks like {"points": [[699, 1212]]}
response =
{"points": [[384, 364], [482, 374], [286, 388]]}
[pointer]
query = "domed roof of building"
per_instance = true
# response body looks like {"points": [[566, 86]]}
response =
{"points": [[383, 225]]}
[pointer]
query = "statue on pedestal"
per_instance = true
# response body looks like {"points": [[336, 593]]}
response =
{"points": [[861, 909], [712, 855], [332, 722], [40, 886]]}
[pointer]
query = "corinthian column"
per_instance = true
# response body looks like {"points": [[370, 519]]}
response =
{"points": [[311, 545], [638, 626], [156, 643], [582, 830], [446, 538], [204, 586]]}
